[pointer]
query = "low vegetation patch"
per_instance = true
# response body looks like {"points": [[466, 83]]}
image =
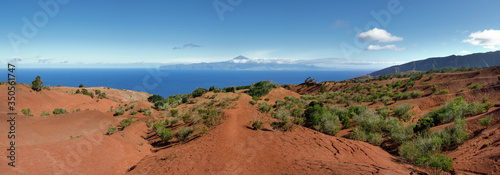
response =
{"points": [[27, 112], [60, 111], [486, 121], [261, 88], [126, 122]]}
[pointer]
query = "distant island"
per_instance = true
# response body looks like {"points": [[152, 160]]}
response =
{"points": [[242, 63], [488, 59]]}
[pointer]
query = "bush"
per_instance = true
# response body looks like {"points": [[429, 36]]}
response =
{"points": [[440, 162], [183, 133], [155, 98], [229, 89], [485, 121], [358, 134], [148, 112], [282, 114], [322, 118], [257, 125], [252, 102], [475, 86], [174, 121], [44, 113], [383, 111], [385, 99], [36, 84], [402, 111], [59, 111], [126, 122], [186, 118], [119, 111], [166, 134], [111, 130], [162, 105], [27, 112], [369, 122], [447, 113], [81, 85], [442, 92], [264, 107], [174, 112], [199, 92], [400, 133], [261, 88], [133, 112], [298, 121], [374, 138], [434, 88]]}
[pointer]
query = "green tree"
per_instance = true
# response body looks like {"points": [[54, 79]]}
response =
{"points": [[36, 84]]}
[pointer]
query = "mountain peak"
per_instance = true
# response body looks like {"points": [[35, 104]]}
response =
{"points": [[241, 57]]}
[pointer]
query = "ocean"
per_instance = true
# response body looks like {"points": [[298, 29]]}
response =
{"points": [[170, 82]]}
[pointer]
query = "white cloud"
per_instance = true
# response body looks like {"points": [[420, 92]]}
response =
{"points": [[379, 35], [387, 47], [489, 39], [465, 52]]}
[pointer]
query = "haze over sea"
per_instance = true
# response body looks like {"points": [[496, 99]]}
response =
{"points": [[170, 82]]}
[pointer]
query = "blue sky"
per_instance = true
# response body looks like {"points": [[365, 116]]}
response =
{"points": [[96, 33]]}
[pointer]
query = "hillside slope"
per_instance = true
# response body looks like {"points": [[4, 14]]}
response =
{"points": [[488, 59]]}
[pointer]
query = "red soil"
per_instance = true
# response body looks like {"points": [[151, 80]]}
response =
{"points": [[233, 148]]}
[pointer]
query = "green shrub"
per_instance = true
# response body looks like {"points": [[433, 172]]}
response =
{"points": [[434, 88], [400, 133], [322, 118], [199, 92], [484, 99], [475, 86], [36, 84], [442, 92], [264, 107], [59, 111], [119, 111], [81, 85], [126, 122], [257, 125], [440, 162], [111, 130], [385, 99], [402, 111], [155, 98], [383, 111], [27, 112], [186, 118], [282, 114], [369, 122], [183, 133], [44, 113], [148, 112], [374, 138], [346, 122], [298, 121], [358, 134], [447, 113], [252, 102], [229, 89], [162, 105], [166, 134], [174, 121], [133, 112], [174, 112], [261, 88], [486, 121]]}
